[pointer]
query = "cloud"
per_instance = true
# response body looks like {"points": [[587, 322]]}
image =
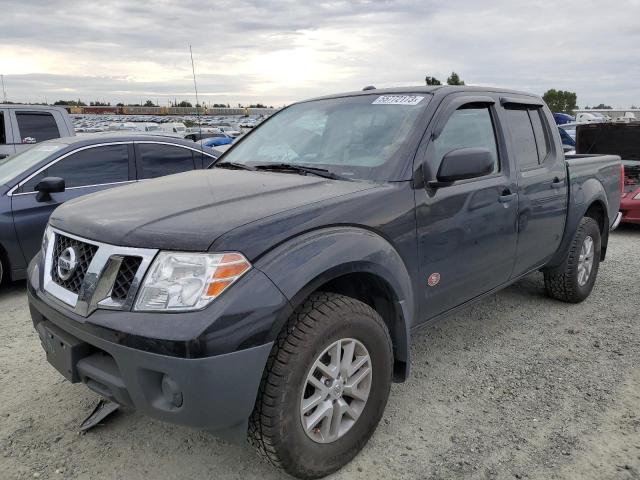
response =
{"points": [[278, 51]]}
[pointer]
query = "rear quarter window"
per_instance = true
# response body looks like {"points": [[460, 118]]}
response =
{"points": [[3, 134], [36, 126]]}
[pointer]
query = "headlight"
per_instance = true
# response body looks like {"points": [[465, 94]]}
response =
{"points": [[182, 281], [637, 197]]}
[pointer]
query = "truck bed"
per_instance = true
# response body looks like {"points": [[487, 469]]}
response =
{"points": [[586, 171]]}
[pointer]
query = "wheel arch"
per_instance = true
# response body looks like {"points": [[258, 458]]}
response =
{"points": [[588, 199], [362, 265], [598, 211]]}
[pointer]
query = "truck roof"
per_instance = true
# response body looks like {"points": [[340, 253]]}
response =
{"points": [[32, 107], [441, 89]]}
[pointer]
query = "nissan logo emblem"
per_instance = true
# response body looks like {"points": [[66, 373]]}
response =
{"points": [[67, 263]]}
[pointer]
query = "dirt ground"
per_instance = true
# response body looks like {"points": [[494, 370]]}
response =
{"points": [[517, 386]]}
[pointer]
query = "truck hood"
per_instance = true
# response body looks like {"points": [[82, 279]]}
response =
{"points": [[189, 211]]}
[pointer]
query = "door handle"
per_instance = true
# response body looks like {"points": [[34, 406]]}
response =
{"points": [[557, 183], [506, 196]]}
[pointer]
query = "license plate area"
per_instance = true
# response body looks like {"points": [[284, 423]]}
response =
{"points": [[63, 350]]}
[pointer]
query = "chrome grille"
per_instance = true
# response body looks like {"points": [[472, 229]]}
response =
{"points": [[124, 279], [84, 252], [104, 276]]}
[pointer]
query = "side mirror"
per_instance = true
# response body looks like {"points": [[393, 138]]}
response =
{"points": [[47, 186], [462, 164]]}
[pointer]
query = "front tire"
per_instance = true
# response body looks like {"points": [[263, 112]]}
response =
{"points": [[573, 280], [324, 388]]}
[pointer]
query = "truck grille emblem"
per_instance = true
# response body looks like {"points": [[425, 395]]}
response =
{"points": [[67, 263]]}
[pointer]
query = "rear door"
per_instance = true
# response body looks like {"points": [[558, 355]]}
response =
{"points": [[466, 231], [6, 135], [541, 178], [87, 170]]}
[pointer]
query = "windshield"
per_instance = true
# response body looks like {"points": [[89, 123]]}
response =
{"points": [[13, 166], [357, 137]]}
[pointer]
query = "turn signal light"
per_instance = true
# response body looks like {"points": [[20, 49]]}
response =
{"points": [[231, 267]]}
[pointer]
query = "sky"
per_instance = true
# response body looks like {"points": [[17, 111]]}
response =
{"points": [[279, 51]]}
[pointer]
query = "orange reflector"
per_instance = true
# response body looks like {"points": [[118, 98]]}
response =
{"points": [[232, 257], [216, 288], [228, 271]]}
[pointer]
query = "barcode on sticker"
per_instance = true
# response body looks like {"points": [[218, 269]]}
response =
{"points": [[398, 100]]}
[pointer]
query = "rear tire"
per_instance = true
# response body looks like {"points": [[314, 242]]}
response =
{"points": [[281, 427], [573, 280]]}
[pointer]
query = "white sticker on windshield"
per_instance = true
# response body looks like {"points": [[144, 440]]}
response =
{"points": [[398, 100]]}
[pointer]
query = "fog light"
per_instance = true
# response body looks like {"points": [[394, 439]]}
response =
{"points": [[171, 391]]}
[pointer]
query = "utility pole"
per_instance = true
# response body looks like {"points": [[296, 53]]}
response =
{"points": [[4, 92]]}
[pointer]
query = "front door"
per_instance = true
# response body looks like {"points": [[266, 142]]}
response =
{"points": [[85, 171], [466, 231]]}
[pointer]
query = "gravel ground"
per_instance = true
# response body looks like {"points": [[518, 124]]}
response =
{"points": [[517, 386]]}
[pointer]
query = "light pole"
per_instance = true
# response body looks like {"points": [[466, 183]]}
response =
{"points": [[4, 92]]}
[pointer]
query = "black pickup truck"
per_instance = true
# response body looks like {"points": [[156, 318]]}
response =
{"points": [[275, 295]]}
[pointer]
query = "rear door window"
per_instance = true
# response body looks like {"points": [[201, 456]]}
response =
{"points": [[523, 139], [36, 126], [92, 166], [158, 160]]}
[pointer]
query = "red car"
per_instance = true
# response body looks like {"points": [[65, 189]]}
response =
{"points": [[630, 202]]}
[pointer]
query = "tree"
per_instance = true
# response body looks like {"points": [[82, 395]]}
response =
{"points": [[602, 106], [184, 103], [120, 104], [432, 80], [149, 103], [560, 100], [454, 79], [71, 103]]}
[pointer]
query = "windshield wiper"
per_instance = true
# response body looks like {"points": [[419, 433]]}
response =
{"points": [[233, 166], [320, 172]]}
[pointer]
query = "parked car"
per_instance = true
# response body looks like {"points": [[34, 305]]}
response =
{"points": [[621, 139], [276, 294], [562, 118], [33, 183], [173, 127], [216, 140], [23, 125], [592, 117], [230, 129], [567, 140]]}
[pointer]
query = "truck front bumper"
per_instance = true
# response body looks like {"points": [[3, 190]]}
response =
{"points": [[215, 393]]}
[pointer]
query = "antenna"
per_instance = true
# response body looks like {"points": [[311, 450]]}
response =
{"points": [[4, 92], [195, 87]]}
